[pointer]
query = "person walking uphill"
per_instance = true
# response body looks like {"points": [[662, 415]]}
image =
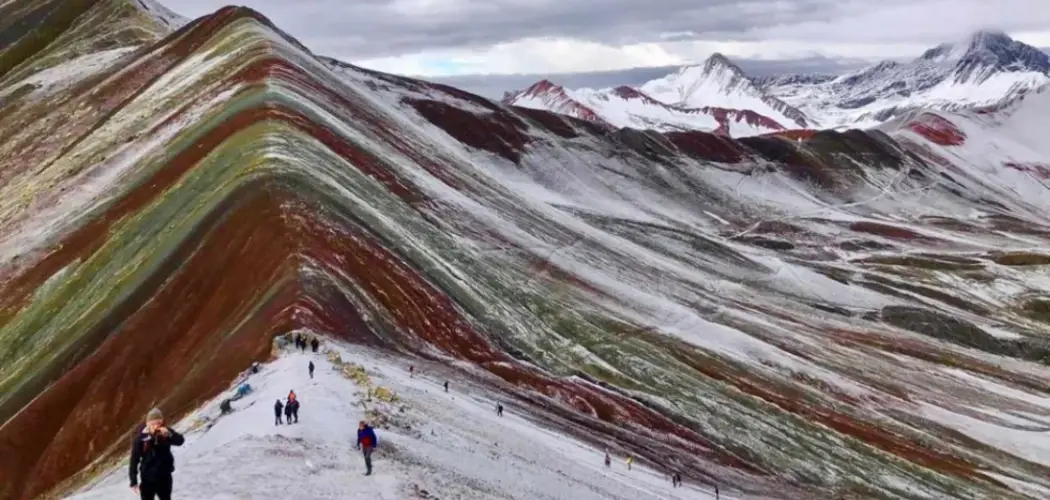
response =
{"points": [[151, 458], [366, 442], [311, 369]]}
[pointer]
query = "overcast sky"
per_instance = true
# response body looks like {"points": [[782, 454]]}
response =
{"points": [[594, 40]]}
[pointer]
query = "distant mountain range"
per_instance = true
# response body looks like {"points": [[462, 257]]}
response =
{"points": [[984, 69]]}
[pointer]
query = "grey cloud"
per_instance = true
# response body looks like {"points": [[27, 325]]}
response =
{"points": [[365, 29], [374, 28], [493, 86]]}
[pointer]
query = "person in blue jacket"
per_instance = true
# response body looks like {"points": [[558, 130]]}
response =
{"points": [[366, 442]]}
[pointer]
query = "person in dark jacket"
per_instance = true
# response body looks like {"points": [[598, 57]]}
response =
{"points": [[314, 344], [277, 408], [499, 409], [366, 442], [311, 369], [151, 457], [293, 406], [288, 411]]}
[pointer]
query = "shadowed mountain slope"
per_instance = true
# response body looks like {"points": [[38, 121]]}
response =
{"points": [[796, 316]]}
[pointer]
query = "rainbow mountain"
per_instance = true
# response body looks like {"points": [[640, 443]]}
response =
{"points": [[814, 314]]}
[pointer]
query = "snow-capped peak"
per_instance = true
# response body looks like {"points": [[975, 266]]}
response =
{"points": [[715, 96], [985, 53], [165, 16], [720, 83], [626, 106], [718, 63], [548, 95], [543, 87], [954, 51], [982, 69], [693, 86]]}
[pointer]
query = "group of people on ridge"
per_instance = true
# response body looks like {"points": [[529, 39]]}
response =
{"points": [[152, 463], [301, 343], [291, 410]]}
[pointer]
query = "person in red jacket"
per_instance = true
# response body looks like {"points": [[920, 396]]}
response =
{"points": [[366, 442], [151, 457]]}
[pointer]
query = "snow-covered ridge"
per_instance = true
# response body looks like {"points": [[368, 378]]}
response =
{"points": [[626, 106], [981, 70], [164, 15], [720, 83], [432, 444]]}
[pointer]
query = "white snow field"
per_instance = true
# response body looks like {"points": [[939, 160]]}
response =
{"points": [[439, 445]]}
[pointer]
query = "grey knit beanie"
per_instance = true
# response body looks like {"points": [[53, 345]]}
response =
{"points": [[154, 414]]}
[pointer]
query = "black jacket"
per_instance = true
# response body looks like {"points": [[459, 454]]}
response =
{"points": [[277, 407], [151, 455]]}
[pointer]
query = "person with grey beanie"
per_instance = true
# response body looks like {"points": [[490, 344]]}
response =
{"points": [[151, 457]]}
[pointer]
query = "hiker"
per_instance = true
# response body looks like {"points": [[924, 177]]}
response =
{"points": [[277, 408], [366, 442], [255, 367], [608, 461], [630, 460], [151, 457], [297, 340], [314, 344], [411, 371], [676, 480], [446, 386], [225, 407], [242, 391], [291, 395], [288, 411], [311, 369], [499, 409], [293, 406]]}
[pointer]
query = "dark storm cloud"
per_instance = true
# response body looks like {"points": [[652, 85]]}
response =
{"points": [[378, 28], [494, 86]]}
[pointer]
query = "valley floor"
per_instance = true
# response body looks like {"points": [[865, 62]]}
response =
{"points": [[438, 446]]}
